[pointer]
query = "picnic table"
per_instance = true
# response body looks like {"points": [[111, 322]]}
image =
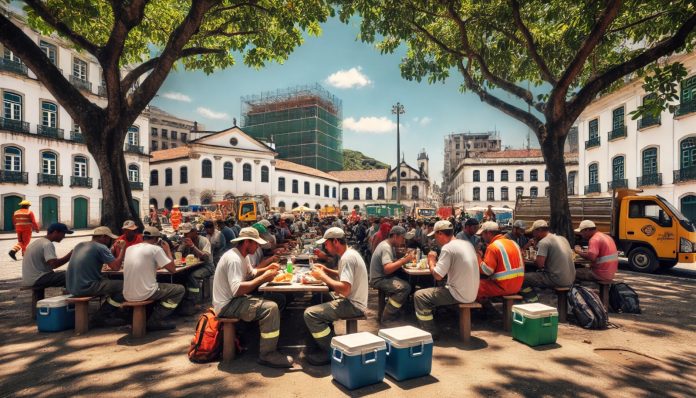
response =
{"points": [[162, 271], [293, 287], [416, 271]]}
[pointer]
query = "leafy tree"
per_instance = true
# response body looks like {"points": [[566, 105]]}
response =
{"points": [[572, 51], [137, 43]]}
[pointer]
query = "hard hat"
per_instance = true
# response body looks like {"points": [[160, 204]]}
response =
{"points": [[25, 203]]}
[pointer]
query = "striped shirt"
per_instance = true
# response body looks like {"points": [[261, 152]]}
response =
{"points": [[606, 256]]}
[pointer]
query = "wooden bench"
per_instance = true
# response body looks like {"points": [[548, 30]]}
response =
{"points": [[229, 335], [562, 296], [138, 327], [37, 293], [82, 312], [465, 320], [381, 303], [508, 302], [352, 323]]}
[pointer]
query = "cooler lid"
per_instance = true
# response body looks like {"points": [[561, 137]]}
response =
{"points": [[534, 310], [53, 302], [358, 343], [405, 336]]}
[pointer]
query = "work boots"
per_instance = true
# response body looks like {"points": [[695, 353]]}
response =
{"points": [[13, 254], [107, 316], [322, 355], [390, 316], [269, 355], [157, 321]]}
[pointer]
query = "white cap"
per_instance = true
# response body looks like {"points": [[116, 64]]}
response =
{"points": [[585, 224], [488, 226], [129, 224], [265, 223], [441, 225], [250, 233], [332, 233], [99, 231], [538, 224]]}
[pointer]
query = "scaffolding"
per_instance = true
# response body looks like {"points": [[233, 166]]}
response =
{"points": [[303, 122]]}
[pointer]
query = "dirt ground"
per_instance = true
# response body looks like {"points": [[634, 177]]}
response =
{"points": [[651, 354]]}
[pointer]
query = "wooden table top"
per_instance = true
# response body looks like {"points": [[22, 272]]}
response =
{"points": [[417, 271], [107, 270], [292, 288]]}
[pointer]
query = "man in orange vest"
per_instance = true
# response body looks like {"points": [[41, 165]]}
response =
{"points": [[502, 263], [24, 222], [175, 217]]}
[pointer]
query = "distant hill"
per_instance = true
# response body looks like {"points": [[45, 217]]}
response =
{"points": [[355, 160]]}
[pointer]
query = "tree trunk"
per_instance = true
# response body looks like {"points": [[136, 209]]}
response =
{"points": [[552, 149]]}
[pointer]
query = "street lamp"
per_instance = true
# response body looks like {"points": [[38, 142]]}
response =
{"points": [[398, 109]]}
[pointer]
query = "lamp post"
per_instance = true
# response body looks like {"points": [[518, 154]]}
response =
{"points": [[398, 109]]}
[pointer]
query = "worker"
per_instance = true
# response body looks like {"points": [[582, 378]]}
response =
{"points": [[24, 222], [502, 263], [383, 268], [518, 235], [489, 215], [175, 218], [601, 252]]}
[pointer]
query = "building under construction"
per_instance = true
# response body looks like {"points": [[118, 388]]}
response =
{"points": [[304, 124]]}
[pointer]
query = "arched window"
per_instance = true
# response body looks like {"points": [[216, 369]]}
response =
{"points": [[49, 163], [617, 168], [206, 168], [133, 173], [12, 159], [403, 192], [183, 201], [49, 114], [687, 155], [168, 177], [593, 173], [281, 185], [168, 203], [504, 193], [649, 162], [688, 207], [519, 175], [80, 166], [326, 191], [306, 204], [533, 175], [294, 204], [490, 194], [183, 175], [264, 173], [533, 192], [380, 193], [317, 189], [227, 171], [368, 194], [333, 192], [356, 207], [414, 192], [133, 137], [477, 193], [306, 188], [154, 177], [477, 176], [490, 176], [504, 175], [246, 172], [295, 187], [344, 194], [393, 193], [344, 208], [12, 105], [281, 204], [519, 191], [317, 206], [356, 193]]}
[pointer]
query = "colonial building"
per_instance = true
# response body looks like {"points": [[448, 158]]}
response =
{"points": [[459, 146], [657, 155], [297, 185], [168, 131], [44, 158]]}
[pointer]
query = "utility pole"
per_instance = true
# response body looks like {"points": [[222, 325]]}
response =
{"points": [[398, 110]]}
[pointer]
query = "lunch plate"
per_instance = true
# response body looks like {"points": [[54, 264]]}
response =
{"points": [[278, 283]]}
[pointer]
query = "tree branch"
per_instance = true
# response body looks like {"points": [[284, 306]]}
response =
{"points": [[638, 22], [531, 46], [240, 5], [62, 28]]}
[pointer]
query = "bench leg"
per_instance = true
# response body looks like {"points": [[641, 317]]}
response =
{"points": [[351, 326], [381, 297], [465, 324], [562, 306], [604, 295], [36, 295], [228, 337], [139, 321], [507, 315], [81, 317]]}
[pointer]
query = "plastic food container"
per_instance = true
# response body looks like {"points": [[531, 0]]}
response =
{"points": [[534, 324], [409, 352], [358, 359], [55, 314]]}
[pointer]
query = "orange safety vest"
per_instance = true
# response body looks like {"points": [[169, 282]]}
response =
{"points": [[23, 219], [175, 216], [503, 260]]}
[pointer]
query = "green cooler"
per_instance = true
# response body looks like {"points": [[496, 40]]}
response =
{"points": [[534, 324]]}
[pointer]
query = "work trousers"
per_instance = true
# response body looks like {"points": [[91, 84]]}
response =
{"points": [[586, 274], [112, 289], [51, 279], [493, 288], [397, 291], [425, 300], [167, 297], [318, 319], [250, 309], [23, 239], [194, 281]]}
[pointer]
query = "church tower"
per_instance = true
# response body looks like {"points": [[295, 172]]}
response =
{"points": [[423, 163]]}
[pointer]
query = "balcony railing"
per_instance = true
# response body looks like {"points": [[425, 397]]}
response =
{"points": [[593, 188], [80, 84], [101, 91], [685, 108], [76, 136], [650, 179], [13, 66], [17, 177], [49, 179], [136, 185], [617, 133], [649, 121], [616, 184], [14, 125], [592, 143], [85, 182], [51, 132], [133, 148], [685, 174], [571, 190]]}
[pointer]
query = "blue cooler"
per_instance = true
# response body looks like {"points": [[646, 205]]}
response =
{"points": [[55, 314], [358, 359], [409, 352]]}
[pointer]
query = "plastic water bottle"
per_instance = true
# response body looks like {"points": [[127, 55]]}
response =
{"points": [[288, 266]]}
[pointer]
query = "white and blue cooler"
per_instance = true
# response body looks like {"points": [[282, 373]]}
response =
{"points": [[358, 359], [55, 314], [409, 352]]}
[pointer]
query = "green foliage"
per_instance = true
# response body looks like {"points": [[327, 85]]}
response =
{"points": [[663, 85], [355, 160]]}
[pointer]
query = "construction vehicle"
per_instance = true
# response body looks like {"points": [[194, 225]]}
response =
{"points": [[329, 211], [251, 209], [423, 213], [649, 230]]}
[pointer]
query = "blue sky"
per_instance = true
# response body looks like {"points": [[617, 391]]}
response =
{"points": [[368, 83]]}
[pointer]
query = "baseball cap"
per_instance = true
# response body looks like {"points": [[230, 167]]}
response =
{"points": [[441, 225], [59, 227], [249, 233], [520, 224], [259, 227], [538, 224], [185, 228], [25, 203], [397, 230], [175, 207], [331, 233], [585, 224], [99, 231], [470, 222], [265, 223], [410, 234], [488, 226], [208, 224], [129, 224], [151, 232]]}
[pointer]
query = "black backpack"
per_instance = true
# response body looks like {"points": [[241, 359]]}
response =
{"points": [[587, 308], [623, 299]]}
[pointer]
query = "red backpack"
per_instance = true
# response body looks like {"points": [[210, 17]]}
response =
{"points": [[206, 344]]}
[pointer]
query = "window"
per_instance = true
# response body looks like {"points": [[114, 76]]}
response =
{"points": [[688, 89], [504, 193], [650, 210], [264, 173], [477, 176], [48, 49], [281, 204], [326, 191], [228, 171], [356, 193], [546, 175], [165, 133], [153, 131], [206, 168], [477, 194], [295, 187], [281, 185], [154, 177], [246, 172], [12, 158], [617, 118], [593, 173], [490, 194], [79, 69], [403, 192], [154, 145], [306, 188], [333, 192], [368, 194], [183, 201], [519, 175], [317, 189], [12, 106], [183, 175], [393, 193], [533, 192], [490, 176], [546, 191], [173, 145], [49, 163], [649, 161], [380, 193], [414, 192], [594, 129], [533, 175], [504, 175], [133, 136], [617, 168], [49, 114], [519, 191], [167, 177], [9, 56], [80, 166], [165, 146], [687, 157], [184, 137], [174, 135], [133, 173]]}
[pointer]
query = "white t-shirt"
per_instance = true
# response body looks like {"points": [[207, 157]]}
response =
{"points": [[231, 271], [459, 263], [140, 265], [352, 269]]}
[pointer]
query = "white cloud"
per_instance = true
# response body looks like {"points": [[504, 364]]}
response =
{"points": [[370, 124], [349, 78], [173, 95], [211, 114], [422, 121]]}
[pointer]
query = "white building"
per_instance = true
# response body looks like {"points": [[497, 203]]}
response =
{"points": [[43, 157], [657, 155], [297, 185], [497, 178], [168, 131]]}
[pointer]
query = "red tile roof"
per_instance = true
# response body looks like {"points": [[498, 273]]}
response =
{"points": [[361, 175], [298, 168], [171, 154], [513, 153]]}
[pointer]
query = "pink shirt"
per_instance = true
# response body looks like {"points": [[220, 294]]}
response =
{"points": [[607, 258]]}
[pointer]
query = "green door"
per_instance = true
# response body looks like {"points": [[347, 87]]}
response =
{"points": [[79, 213], [9, 205], [49, 211], [688, 207], [136, 205]]}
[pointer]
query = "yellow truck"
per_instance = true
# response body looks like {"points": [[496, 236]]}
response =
{"points": [[247, 209], [649, 230], [423, 213]]}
